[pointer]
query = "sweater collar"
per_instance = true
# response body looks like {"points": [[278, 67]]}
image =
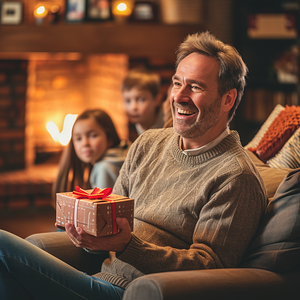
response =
{"points": [[206, 147], [231, 141]]}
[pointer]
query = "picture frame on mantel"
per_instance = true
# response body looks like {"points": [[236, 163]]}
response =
{"points": [[75, 10], [99, 10], [144, 11], [11, 12]]}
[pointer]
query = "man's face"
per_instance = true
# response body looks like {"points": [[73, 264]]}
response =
{"points": [[195, 102]]}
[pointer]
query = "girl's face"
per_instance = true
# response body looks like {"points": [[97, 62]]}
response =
{"points": [[89, 140]]}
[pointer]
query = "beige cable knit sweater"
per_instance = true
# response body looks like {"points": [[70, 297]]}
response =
{"points": [[191, 212]]}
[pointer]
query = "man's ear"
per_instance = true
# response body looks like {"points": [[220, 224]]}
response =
{"points": [[229, 99]]}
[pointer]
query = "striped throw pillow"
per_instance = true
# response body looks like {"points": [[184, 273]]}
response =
{"points": [[289, 155]]}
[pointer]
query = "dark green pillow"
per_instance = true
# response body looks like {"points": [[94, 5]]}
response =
{"points": [[276, 245]]}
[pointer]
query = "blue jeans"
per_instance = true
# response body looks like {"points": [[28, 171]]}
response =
{"points": [[27, 272]]}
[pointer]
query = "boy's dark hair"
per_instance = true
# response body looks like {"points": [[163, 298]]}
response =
{"points": [[142, 79], [232, 70]]}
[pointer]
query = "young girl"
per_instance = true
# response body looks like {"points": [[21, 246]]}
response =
{"points": [[94, 155]]}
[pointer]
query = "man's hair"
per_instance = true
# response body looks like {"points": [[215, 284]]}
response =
{"points": [[143, 80], [232, 70]]}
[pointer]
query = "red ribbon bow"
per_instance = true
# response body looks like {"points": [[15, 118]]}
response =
{"points": [[97, 193]]}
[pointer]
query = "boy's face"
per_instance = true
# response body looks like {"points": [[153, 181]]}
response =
{"points": [[140, 106]]}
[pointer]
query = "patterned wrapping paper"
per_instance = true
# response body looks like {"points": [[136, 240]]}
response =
{"points": [[95, 216]]}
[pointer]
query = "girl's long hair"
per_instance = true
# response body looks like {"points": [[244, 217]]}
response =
{"points": [[72, 171]]}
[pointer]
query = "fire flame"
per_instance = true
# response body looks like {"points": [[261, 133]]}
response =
{"points": [[65, 135]]}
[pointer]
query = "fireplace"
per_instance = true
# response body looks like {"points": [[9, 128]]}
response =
{"points": [[48, 87], [69, 84]]}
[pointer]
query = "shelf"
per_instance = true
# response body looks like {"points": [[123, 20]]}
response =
{"points": [[135, 39], [271, 85], [263, 57]]}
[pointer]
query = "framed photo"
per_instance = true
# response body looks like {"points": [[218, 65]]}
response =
{"points": [[75, 10], [99, 10], [144, 11], [11, 12]]}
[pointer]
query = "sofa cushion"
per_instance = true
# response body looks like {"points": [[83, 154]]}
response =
{"points": [[252, 145], [276, 245], [272, 177], [279, 132], [289, 155]]}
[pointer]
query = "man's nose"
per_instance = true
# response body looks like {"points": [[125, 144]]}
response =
{"points": [[182, 94]]}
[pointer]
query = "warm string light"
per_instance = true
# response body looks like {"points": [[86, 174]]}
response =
{"points": [[48, 14], [122, 8], [40, 12]]}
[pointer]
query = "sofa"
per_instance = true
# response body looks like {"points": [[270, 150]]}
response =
{"points": [[270, 268]]}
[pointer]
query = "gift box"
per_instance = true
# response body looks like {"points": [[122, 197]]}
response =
{"points": [[95, 215]]}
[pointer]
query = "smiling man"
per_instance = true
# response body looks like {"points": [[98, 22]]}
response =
{"points": [[198, 197]]}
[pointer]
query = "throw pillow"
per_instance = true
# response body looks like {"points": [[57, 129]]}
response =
{"points": [[279, 132], [272, 177], [252, 145], [276, 245], [289, 155]]}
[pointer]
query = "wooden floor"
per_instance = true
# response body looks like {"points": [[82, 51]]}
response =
{"points": [[27, 222]]}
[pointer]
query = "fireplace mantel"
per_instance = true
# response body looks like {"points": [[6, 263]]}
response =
{"points": [[134, 39]]}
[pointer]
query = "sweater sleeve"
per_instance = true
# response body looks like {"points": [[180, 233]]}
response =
{"points": [[224, 229], [121, 186]]}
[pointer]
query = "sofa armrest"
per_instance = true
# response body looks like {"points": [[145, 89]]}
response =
{"points": [[59, 245], [215, 284]]}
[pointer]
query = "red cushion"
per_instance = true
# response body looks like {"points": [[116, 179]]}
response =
{"points": [[279, 132]]}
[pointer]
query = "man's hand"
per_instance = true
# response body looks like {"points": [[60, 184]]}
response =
{"points": [[117, 242]]}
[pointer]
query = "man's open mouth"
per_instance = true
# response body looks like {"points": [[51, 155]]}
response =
{"points": [[185, 112]]}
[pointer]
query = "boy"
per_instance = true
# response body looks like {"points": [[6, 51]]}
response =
{"points": [[142, 101]]}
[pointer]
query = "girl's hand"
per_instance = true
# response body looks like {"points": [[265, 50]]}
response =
{"points": [[116, 242]]}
